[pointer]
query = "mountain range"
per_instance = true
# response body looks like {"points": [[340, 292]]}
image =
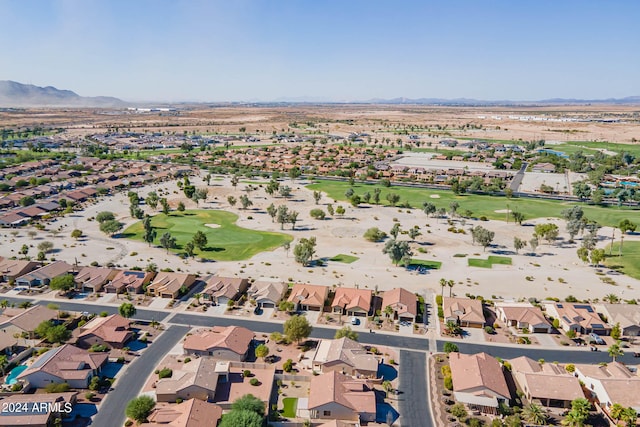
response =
{"points": [[14, 94]]}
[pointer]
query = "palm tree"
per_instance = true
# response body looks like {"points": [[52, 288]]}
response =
{"points": [[443, 284], [388, 310], [616, 411], [612, 298], [535, 414], [615, 351], [629, 416], [573, 420], [450, 284]]}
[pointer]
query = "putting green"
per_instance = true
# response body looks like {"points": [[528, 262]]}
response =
{"points": [[228, 242]]}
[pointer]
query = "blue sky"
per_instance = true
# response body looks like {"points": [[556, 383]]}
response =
{"points": [[341, 50]]}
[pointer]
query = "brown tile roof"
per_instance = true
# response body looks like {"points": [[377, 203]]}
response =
{"points": [[545, 381], [347, 351], [29, 319], [333, 387], [95, 276], [67, 362], [472, 373], [190, 413], [229, 287], [131, 278], [27, 418], [309, 294], [270, 291], [402, 301], [464, 309], [523, 313], [234, 338], [111, 329], [350, 298], [170, 282], [200, 373], [57, 268], [16, 267]]}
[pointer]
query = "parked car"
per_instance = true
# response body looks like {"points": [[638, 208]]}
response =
{"points": [[596, 339], [355, 321]]}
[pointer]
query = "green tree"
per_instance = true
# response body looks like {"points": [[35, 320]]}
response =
{"points": [[346, 332], [105, 216], [519, 243], [413, 233], [305, 250], [548, 231], [626, 226], [62, 283], [76, 234], [330, 209], [181, 207], [152, 200], [398, 251], [616, 331], [199, 239], [629, 416], [518, 217], [272, 211], [393, 198], [317, 195], [4, 361], [282, 215], [52, 333], [45, 246], [111, 227], [596, 255], [317, 214], [340, 210], [245, 201], [167, 241], [24, 249], [262, 351], [27, 201], [450, 347], [189, 249], [140, 408], [535, 414], [376, 195], [149, 232], [429, 208], [297, 328], [165, 206], [241, 419], [374, 234], [615, 351], [248, 402], [127, 310], [395, 230], [200, 194], [578, 414]]}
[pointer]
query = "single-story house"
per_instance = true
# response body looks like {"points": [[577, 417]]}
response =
{"points": [[547, 383], [225, 343], [49, 407], [579, 317], [27, 320], [627, 315], [463, 311], [189, 413], [66, 363], [221, 290], [12, 268], [478, 381], [92, 279], [130, 281], [339, 397], [346, 356], [169, 285], [113, 331], [611, 383], [195, 380], [267, 294], [309, 297], [403, 303], [43, 275], [352, 302], [522, 315]]}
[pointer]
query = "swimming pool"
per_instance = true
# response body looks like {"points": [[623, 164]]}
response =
{"points": [[11, 378]]}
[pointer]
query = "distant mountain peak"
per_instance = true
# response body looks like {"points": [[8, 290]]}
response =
{"points": [[15, 94]]}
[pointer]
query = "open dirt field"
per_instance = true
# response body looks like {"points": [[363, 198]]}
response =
{"points": [[553, 271]]}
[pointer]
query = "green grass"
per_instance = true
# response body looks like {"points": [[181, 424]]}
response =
{"points": [[347, 259], [488, 263], [290, 406], [229, 242], [629, 262], [480, 205], [611, 146], [431, 265]]}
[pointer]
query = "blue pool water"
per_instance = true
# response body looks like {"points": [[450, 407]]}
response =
{"points": [[554, 152], [630, 184], [11, 378], [111, 369]]}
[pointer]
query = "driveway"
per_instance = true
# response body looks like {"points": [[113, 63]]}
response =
{"points": [[474, 335], [128, 386]]}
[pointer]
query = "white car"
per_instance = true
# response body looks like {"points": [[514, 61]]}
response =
{"points": [[355, 321]]}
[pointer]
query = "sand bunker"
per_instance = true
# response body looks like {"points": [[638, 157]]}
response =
{"points": [[212, 225], [503, 211], [435, 196]]}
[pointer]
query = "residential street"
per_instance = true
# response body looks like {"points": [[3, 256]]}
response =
{"points": [[413, 404], [130, 382]]}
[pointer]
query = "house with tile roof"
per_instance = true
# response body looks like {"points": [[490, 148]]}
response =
{"points": [[611, 383], [66, 363], [465, 312], [308, 297], [189, 413], [338, 397], [346, 356], [92, 279], [197, 379], [43, 275], [169, 285], [547, 384], [267, 294], [10, 269], [50, 407], [352, 301], [579, 317], [112, 331], [627, 315], [27, 320], [220, 290], [224, 343], [403, 303], [522, 315], [130, 281], [478, 381]]}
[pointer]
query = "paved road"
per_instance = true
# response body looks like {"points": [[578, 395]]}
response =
{"points": [[129, 384], [413, 402], [517, 178]]}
